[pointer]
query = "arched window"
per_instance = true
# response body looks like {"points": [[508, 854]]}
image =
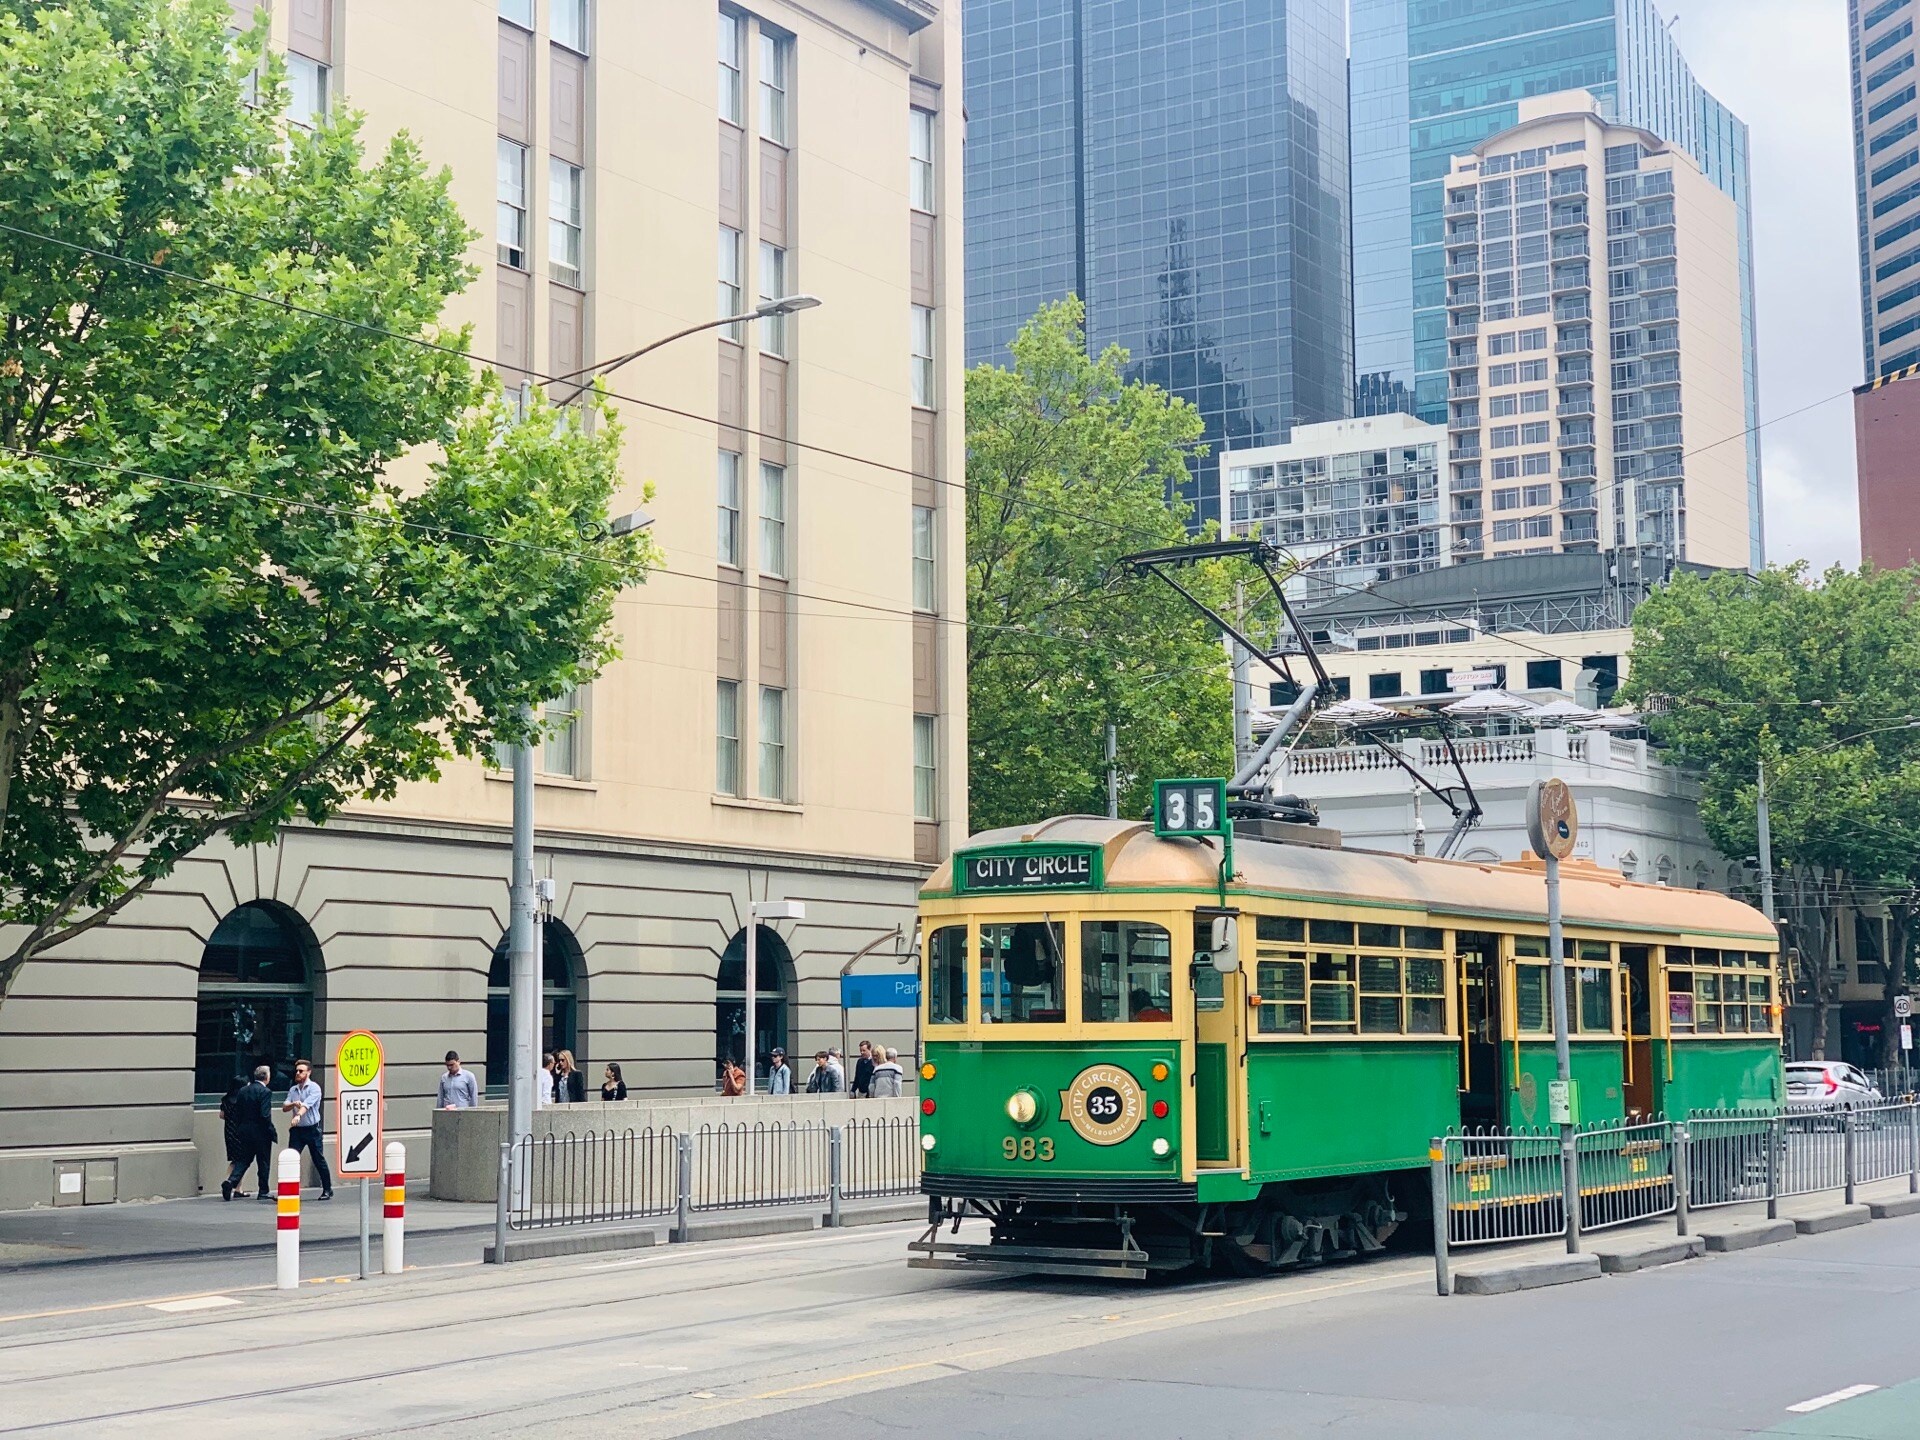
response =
{"points": [[772, 997], [259, 977], [560, 1000]]}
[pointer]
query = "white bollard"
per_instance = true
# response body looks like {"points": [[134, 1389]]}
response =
{"points": [[287, 1205], [393, 1224]]}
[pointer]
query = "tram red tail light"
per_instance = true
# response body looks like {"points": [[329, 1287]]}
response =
{"points": [[927, 1107], [1159, 1109]]}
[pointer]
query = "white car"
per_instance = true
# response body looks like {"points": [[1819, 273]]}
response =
{"points": [[1829, 1085]]}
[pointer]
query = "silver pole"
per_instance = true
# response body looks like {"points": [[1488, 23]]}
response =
{"points": [[1766, 849], [366, 1232], [1242, 687], [1113, 773], [1562, 1055], [1442, 1279], [753, 956], [523, 996]]}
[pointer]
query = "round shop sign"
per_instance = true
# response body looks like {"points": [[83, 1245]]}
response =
{"points": [[1104, 1105]]}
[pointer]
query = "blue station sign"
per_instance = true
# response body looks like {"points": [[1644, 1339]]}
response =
{"points": [[879, 992]]}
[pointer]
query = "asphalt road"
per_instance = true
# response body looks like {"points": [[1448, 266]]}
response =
{"points": [[830, 1334]]}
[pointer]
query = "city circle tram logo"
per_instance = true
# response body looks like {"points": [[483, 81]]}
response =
{"points": [[1104, 1105]]}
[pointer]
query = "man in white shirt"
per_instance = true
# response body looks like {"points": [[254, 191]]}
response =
{"points": [[303, 1130], [546, 1080]]}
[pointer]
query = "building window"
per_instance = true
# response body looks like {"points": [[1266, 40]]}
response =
{"points": [[729, 266], [774, 55], [773, 286], [569, 24], [773, 519], [510, 203], [520, 12], [561, 725], [561, 961], [1384, 686], [926, 769], [726, 731], [920, 142], [731, 109], [257, 987], [1543, 674], [565, 210], [306, 91], [925, 587], [1537, 495], [773, 743], [923, 356], [728, 547], [773, 989], [1507, 499]]}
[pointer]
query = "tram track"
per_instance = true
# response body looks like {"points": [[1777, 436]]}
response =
{"points": [[941, 1320]]}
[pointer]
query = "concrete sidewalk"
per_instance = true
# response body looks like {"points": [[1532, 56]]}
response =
{"points": [[206, 1225]]}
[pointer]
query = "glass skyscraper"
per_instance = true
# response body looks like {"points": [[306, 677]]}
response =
{"points": [[1182, 166], [1433, 78]]}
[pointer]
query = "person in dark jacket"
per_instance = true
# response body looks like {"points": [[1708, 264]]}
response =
{"points": [[863, 1071], [238, 1148], [253, 1105], [613, 1087], [569, 1085]]}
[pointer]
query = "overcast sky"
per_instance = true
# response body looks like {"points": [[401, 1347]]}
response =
{"points": [[1781, 65]]}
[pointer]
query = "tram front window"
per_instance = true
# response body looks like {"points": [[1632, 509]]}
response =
{"points": [[1023, 972], [1126, 972], [947, 976]]}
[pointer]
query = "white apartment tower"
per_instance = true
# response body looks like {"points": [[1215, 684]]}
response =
{"points": [[1594, 344]]}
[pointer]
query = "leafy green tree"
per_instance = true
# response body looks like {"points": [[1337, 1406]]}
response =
{"points": [[1819, 682], [221, 607], [1068, 468]]}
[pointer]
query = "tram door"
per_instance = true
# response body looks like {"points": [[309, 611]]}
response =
{"points": [[1220, 1055], [1478, 958], [1636, 965]]}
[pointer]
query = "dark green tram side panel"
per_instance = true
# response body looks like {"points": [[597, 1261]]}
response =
{"points": [[1349, 1106], [1598, 1069], [971, 1086], [1210, 1103], [1731, 1074]]}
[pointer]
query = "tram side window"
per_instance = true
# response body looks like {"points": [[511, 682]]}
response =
{"points": [[1331, 993], [1023, 972], [1283, 993], [947, 976], [1594, 978], [1126, 972], [1531, 1010], [1718, 992], [1331, 998], [1589, 986]]}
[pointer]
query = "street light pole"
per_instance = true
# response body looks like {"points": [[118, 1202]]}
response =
{"points": [[758, 910], [1764, 822], [523, 995]]}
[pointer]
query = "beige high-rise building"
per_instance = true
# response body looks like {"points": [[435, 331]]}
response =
{"points": [[1596, 399], [788, 719]]}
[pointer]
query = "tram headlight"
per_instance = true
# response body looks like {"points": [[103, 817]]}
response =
{"points": [[1162, 1148], [927, 1142], [1023, 1107]]}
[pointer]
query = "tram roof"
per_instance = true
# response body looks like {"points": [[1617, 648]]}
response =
{"points": [[1134, 858]]}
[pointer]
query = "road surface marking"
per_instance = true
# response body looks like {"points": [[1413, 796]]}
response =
{"points": [[1833, 1397], [191, 1303], [110, 1305]]}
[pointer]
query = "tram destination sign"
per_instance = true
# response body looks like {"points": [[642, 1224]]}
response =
{"points": [[1030, 867]]}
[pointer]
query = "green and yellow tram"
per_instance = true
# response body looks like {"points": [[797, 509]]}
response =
{"points": [[1137, 1058]]}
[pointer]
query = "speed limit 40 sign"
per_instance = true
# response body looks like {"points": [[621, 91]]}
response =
{"points": [[1190, 807]]}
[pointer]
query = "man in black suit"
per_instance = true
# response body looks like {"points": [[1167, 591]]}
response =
{"points": [[253, 1108]]}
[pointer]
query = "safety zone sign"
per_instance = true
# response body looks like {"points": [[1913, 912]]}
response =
{"points": [[358, 1068]]}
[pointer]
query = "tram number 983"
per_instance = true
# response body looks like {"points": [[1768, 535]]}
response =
{"points": [[1027, 1147]]}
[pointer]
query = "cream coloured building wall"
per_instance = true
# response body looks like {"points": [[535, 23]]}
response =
{"points": [[402, 904]]}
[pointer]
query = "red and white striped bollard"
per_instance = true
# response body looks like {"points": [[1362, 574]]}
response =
{"points": [[287, 1222], [393, 1223]]}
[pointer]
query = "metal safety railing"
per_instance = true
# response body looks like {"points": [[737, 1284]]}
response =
{"points": [[1503, 1185], [610, 1177], [580, 1179]]}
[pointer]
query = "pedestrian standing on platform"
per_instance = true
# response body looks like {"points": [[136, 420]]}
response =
{"points": [[824, 1080], [733, 1080], [546, 1080], [863, 1071], [612, 1087], [303, 1103], [569, 1085], [779, 1074], [888, 1078], [839, 1070], [457, 1089], [234, 1131], [254, 1106]]}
